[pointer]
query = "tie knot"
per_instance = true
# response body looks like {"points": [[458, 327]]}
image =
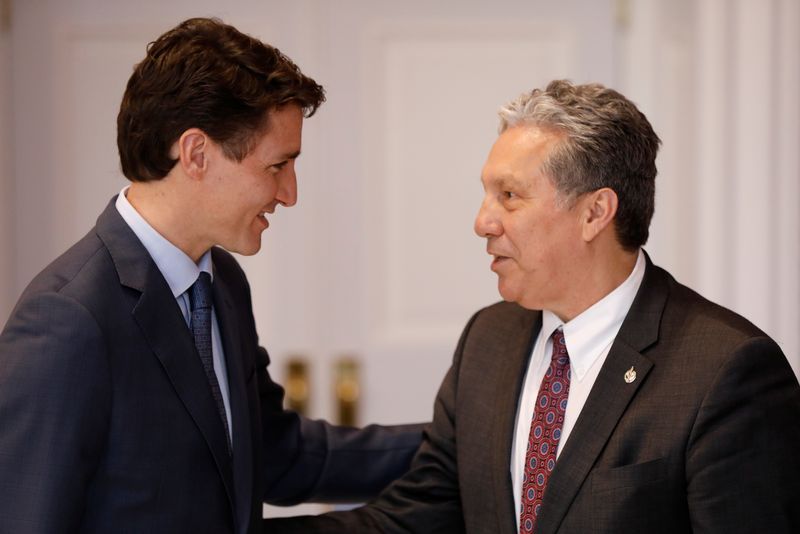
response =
{"points": [[560, 353], [200, 292]]}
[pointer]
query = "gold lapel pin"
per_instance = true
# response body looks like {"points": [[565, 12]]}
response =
{"points": [[630, 375]]}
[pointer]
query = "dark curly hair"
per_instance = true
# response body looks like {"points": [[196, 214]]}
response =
{"points": [[208, 75]]}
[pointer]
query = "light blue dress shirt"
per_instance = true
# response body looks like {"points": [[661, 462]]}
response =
{"points": [[180, 272]]}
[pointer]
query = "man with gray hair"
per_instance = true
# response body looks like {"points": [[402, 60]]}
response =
{"points": [[602, 395]]}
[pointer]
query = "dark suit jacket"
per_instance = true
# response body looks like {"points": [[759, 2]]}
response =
{"points": [[706, 439], [107, 423]]}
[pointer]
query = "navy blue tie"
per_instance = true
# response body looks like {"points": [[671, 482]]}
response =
{"points": [[200, 299]]}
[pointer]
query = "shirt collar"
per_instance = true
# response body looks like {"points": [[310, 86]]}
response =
{"points": [[590, 333], [178, 269]]}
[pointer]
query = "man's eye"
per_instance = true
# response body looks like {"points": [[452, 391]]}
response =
{"points": [[278, 166], [509, 195]]}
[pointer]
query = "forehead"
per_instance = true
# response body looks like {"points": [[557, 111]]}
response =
{"points": [[286, 116], [518, 154], [283, 132]]}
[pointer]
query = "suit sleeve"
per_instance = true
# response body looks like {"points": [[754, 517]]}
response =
{"points": [[426, 499], [54, 398], [743, 455], [314, 461]]}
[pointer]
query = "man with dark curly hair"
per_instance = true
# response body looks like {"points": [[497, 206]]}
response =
{"points": [[134, 396]]}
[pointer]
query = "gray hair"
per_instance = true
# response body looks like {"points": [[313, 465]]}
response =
{"points": [[606, 142]]}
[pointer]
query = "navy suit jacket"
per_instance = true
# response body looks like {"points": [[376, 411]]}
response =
{"points": [[107, 423]]}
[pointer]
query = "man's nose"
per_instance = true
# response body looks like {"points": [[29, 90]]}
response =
{"points": [[287, 191], [486, 223]]}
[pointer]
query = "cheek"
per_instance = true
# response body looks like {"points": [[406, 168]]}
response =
{"points": [[262, 190], [541, 250], [252, 197], [529, 249]]}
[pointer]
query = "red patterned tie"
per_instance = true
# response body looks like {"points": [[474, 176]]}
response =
{"points": [[548, 418]]}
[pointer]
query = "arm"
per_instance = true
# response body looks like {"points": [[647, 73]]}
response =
{"points": [[314, 461], [743, 455], [54, 398], [426, 499], [305, 460]]}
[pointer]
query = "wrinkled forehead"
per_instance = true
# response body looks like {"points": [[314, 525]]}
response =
{"points": [[519, 153]]}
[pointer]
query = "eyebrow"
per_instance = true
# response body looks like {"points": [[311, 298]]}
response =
{"points": [[507, 181], [282, 158]]}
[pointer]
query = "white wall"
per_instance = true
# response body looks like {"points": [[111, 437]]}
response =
{"points": [[720, 81]]}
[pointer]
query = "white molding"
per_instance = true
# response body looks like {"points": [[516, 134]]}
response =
{"points": [[741, 135], [752, 164], [786, 113], [86, 172], [713, 244]]}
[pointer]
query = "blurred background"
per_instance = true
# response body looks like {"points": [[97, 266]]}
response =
{"points": [[361, 290]]}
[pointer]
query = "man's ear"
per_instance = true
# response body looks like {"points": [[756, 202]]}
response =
{"points": [[192, 152], [599, 210]]}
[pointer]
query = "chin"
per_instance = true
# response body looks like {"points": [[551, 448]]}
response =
{"points": [[506, 292], [250, 251], [245, 249], [518, 297]]}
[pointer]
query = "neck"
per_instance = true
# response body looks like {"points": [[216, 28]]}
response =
{"points": [[170, 212], [595, 278]]}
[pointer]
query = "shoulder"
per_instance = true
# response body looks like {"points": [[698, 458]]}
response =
{"points": [[84, 269], [688, 314], [59, 302], [503, 318], [702, 338], [502, 328]]}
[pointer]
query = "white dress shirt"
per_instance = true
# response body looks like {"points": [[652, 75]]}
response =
{"points": [[588, 338], [180, 272]]}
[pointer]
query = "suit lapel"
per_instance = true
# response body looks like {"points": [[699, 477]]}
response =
{"points": [[514, 353], [608, 399], [165, 330], [237, 381]]}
